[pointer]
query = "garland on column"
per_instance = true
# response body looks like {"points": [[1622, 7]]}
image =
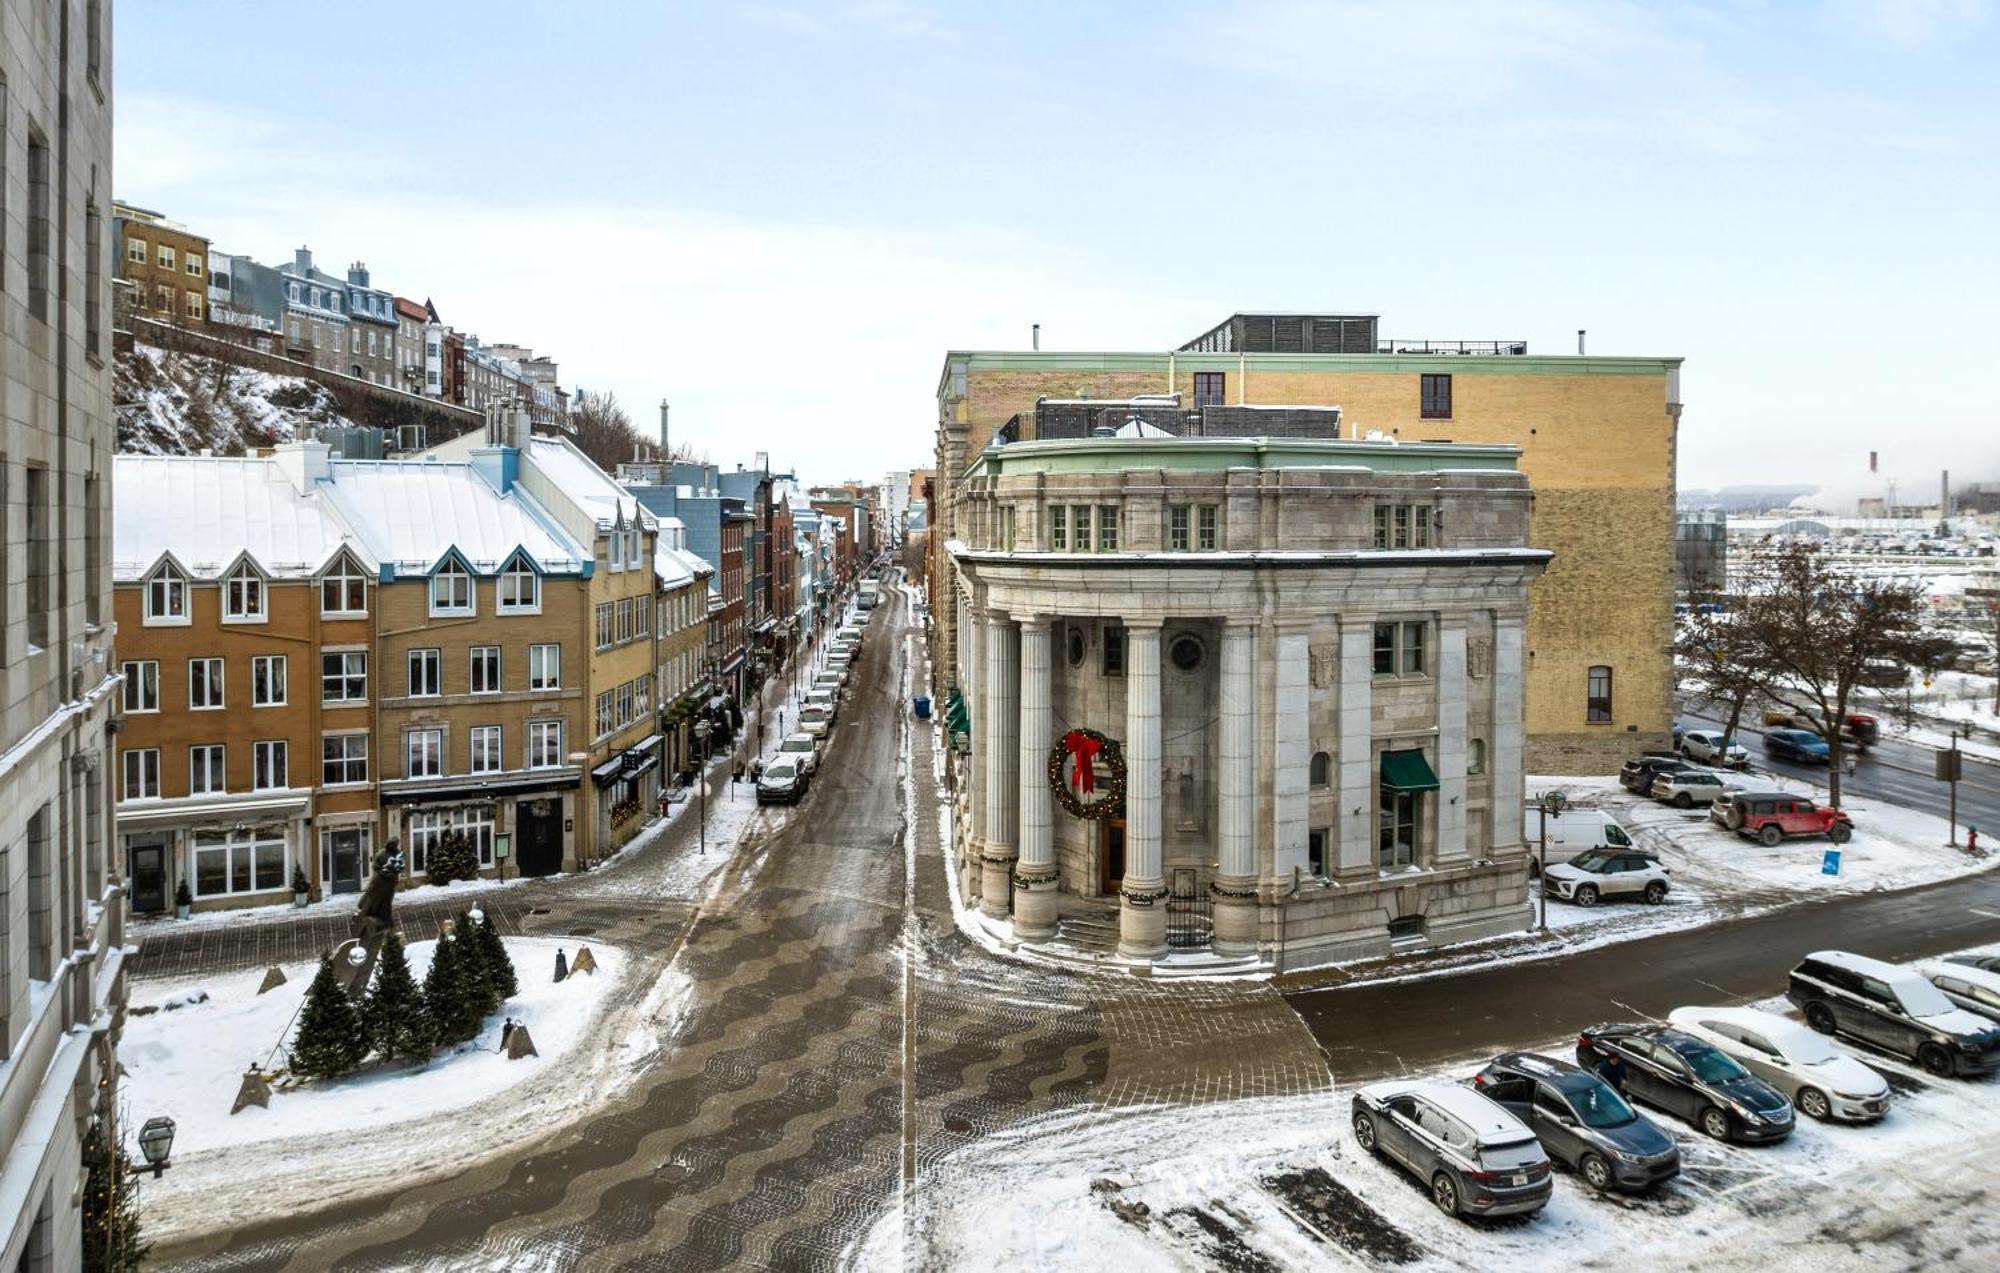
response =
{"points": [[1095, 788]]}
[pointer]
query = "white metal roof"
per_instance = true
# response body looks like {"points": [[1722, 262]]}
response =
{"points": [[592, 489], [209, 511], [411, 511]]}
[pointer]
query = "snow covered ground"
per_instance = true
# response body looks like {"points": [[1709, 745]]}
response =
{"points": [[1279, 1184]]}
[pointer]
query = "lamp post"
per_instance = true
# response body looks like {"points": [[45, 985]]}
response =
{"points": [[156, 1143], [1551, 802], [701, 781]]}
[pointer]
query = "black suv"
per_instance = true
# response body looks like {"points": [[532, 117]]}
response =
{"points": [[1895, 1009], [1581, 1120], [1679, 1073], [1638, 774]]}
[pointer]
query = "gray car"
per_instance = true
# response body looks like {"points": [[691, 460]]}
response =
{"points": [[1582, 1120], [1475, 1157]]}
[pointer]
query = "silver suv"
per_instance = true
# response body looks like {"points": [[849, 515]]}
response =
{"points": [[1476, 1157]]}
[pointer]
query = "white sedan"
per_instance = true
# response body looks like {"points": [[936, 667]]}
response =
{"points": [[1823, 1081]]}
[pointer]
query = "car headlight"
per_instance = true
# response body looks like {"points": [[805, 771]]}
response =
{"points": [[1749, 1115], [1859, 1096]]}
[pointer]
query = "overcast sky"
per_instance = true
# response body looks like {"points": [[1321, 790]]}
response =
{"points": [[779, 217]]}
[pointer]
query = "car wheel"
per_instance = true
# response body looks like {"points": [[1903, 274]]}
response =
{"points": [[1595, 1172], [1734, 819], [1656, 892], [1820, 1018], [1841, 833], [1682, 800], [1814, 1104], [1715, 1122], [1364, 1132], [1771, 836], [1935, 1059], [1586, 895], [1444, 1192]]}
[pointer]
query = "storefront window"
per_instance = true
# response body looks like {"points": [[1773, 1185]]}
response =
{"points": [[427, 825], [250, 860]]}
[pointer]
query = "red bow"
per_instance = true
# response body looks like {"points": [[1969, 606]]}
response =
{"points": [[1082, 748]]}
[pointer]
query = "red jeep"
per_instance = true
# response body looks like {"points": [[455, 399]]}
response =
{"points": [[1770, 817]]}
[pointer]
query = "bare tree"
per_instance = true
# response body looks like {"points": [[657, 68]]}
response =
{"points": [[1717, 656], [603, 431]]}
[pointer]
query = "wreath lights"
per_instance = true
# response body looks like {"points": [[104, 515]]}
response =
{"points": [[1097, 787]]}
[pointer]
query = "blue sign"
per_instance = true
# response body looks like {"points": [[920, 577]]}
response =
{"points": [[1830, 865]]}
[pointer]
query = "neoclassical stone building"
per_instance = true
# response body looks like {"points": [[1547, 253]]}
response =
{"points": [[1270, 689]]}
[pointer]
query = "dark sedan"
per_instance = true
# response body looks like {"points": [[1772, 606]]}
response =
{"points": [[1580, 1119], [1638, 774], [1682, 1075]]}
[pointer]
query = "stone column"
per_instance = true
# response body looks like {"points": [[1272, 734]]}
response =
{"points": [[1142, 917], [1235, 886], [972, 656], [1292, 761], [1000, 689], [1356, 759], [1504, 750], [1451, 742], [1035, 879]]}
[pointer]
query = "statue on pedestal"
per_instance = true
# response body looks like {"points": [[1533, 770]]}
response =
{"points": [[354, 958]]}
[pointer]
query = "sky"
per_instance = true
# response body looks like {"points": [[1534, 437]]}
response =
{"points": [[778, 217]]}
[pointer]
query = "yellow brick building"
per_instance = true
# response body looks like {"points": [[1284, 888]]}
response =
{"points": [[1597, 436]]}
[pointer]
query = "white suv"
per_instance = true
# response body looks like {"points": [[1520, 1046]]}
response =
{"points": [[1589, 878], [1686, 788], [1706, 745]]}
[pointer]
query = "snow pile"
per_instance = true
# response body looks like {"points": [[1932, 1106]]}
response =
{"points": [[172, 403]]}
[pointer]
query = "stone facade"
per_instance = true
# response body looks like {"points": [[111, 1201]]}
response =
{"points": [[1224, 620]]}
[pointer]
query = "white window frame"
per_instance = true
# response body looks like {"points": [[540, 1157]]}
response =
{"points": [[483, 654], [341, 573], [484, 750], [261, 770], [545, 744], [261, 680], [452, 572], [541, 677], [347, 758], [274, 877], [169, 587], [148, 773], [345, 700], [433, 658], [141, 695], [512, 574], [208, 769], [214, 679], [426, 745], [246, 596]]}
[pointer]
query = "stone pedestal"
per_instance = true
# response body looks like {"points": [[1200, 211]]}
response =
{"points": [[1035, 891], [1234, 903]]}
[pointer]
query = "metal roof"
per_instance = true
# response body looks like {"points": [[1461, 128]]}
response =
{"points": [[210, 511], [411, 512]]}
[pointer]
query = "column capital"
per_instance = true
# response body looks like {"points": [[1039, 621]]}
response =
{"points": [[1031, 618], [1142, 623]]}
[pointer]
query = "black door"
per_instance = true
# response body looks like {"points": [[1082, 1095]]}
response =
{"points": [[1114, 854], [149, 877], [344, 853], [540, 834]]}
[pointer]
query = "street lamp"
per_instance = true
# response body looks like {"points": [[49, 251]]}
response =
{"points": [[1551, 802], [701, 781], [156, 1142]]}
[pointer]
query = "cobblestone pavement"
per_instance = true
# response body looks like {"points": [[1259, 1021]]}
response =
{"points": [[843, 1050]]}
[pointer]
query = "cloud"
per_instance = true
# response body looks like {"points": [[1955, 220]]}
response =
{"points": [[1910, 23]]}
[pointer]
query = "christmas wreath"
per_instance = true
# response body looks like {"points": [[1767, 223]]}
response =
{"points": [[1094, 785]]}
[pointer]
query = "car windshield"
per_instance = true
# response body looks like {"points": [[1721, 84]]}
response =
{"points": [[1512, 1156], [1614, 834], [796, 744], [1596, 861], [1600, 1106], [779, 769], [1711, 1066], [1921, 999], [812, 715]]}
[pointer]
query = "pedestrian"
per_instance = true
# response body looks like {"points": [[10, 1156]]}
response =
{"points": [[1612, 1070], [1971, 838], [1847, 763], [757, 769]]}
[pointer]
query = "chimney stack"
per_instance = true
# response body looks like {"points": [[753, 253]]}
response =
{"points": [[1579, 342], [1035, 337], [666, 446], [302, 261]]}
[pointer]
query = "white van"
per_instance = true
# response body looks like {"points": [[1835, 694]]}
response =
{"points": [[1571, 832]]}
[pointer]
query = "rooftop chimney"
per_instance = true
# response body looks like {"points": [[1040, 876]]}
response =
{"points": [[1035, 337], [302, 261], [666, 446], [357, 274], [304, 463]]}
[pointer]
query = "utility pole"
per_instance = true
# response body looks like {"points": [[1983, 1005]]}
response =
{"points": [[1950, 768], [1548, 803]]}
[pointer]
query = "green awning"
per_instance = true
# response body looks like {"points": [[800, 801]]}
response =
{"points": [[1407, 771], [957, 717]]}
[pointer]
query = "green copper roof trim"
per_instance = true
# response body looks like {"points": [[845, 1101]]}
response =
{"points": [[1210, 455], [1357, 364]]}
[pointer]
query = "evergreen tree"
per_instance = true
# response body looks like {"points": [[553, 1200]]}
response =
{"points": [[454, 1013], [478, 975], [331, 1040], [111, 1237], [394, 1013], [452, 857], [499, 967]]}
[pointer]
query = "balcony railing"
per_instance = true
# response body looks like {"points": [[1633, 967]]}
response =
{"points": [[1452, 347]]}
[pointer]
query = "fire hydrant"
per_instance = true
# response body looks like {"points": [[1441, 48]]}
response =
{"points": [[1971, 838]]}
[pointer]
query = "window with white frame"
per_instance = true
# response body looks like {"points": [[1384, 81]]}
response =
{"points": [[604, 625], [204, 684], [545, 667], [520, 587], [270, 765], [607, 703], [426, 673], [626, 697], [142, 686], [207, 770], [483, 754], [642, 695], [142, 773], [343, 590], [267, 681], [485, 669], [451, 590], [423, 753], [166, 597], [545, 744], [343, 759], [241, 860], [624, 626], [428, 826], [635, 548], [343, 677], [243, 596], [614, 552]]}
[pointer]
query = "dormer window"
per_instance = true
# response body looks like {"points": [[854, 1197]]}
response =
{"points": [[243, 597], [167, 597], [451, 590], [614, 555], [636, 543], [520, 587], [343, 590]]}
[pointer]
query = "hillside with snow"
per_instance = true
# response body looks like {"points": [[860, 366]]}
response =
{"points": [[172, 403]]}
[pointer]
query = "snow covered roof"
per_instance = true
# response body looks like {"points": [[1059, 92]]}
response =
{"points": [[410, 512], [574, 474], [208, 512], [1137, 428]]}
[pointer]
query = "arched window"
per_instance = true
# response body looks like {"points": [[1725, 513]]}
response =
{"points": [[520, 587], [343, 589], [1322, 767], [243, 595], [451, 590], [1597, 708], [166, 596]]}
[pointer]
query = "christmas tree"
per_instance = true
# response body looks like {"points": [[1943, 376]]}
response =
{"points": [[452, 858], [498, 966], [331, 1040], [111, 1240], [448, 999], [394, 1012], [473, 966]]}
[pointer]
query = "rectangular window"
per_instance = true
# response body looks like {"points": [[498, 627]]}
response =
{"points": [[544, 744], [1179, 528], [193, 265], [142, 686], [240, 860], [623, 632], [40, 563], [194, 306], [343, 590], [166, 257], [1205, 539], [93, 281], [135, 250], [484, 751], [426, 673], [204, 684], [39, 227], [343, 678], [606, 705], [343, 758], [545, 667], [1209, 388], [1107, 528], [427, 826], [142, 773], [1382, 532], [451, 591], [270, 765], [1316, 842], [1436, 392], [1399, 648], [1401, 815], [1597, 708], [485, 669], [423, 753], [1079, 538], [206, 774], [1114, 651], [1058, 528], [604, 625], [267, 680], [625, 702]]}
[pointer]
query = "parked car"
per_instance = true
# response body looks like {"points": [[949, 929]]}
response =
{"points": [[1801, 746], [830, 680], [1713, 747], [782, 782], [1591, 877], [1672, 1070], [1976, 990], [1581, 1120], [829, 700], [1685, 788], [1771, 816], [1990, 963], [815, 722], [1821, 1080], [1895, 1009], [1638, 774], [1477, 1158], [803, 748]]}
